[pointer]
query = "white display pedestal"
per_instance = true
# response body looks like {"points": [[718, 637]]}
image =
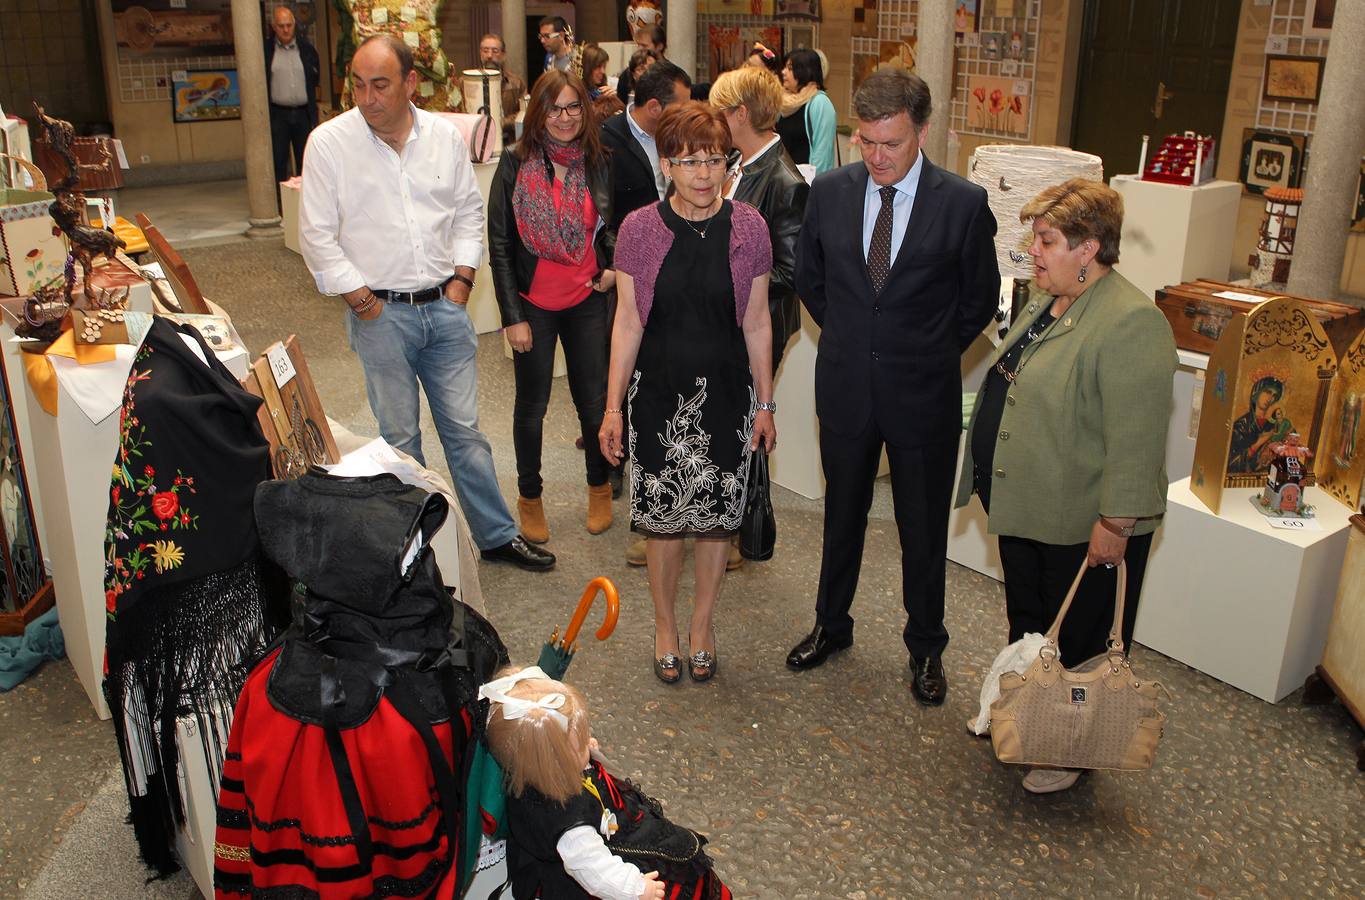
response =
{"points": [[289, 215], [1173, 233], [199, 795], [795, 461], [1186, 391], [1237, 599], [70, 459]]}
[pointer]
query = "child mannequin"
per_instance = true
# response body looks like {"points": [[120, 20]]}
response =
{"points": [[576, 831]]}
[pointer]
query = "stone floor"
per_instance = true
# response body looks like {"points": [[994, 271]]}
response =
{"points": [[208, 213], [828, 784]]}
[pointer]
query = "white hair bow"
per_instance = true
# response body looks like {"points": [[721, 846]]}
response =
{"points": [[514, 707]]}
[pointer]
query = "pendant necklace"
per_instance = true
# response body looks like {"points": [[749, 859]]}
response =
{"points": [[700, 232]]}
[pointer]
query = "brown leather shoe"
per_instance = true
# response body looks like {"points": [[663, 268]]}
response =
{"points": [[635, 553], [599, 508], [533, 525], [733, 559]]}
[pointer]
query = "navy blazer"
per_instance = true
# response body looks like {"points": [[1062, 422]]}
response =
{"points": [[895, 358], [312, 70], [632, 175]]}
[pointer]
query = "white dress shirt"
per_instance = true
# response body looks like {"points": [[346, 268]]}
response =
{"points": [[906, 189], [288, 86], [646, 142], [596, 869], [372, 217]]}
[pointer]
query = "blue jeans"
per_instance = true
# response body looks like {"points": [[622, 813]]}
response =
{"points": [[434, 342]]}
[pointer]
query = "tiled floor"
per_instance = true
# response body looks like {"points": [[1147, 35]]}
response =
{"points": [[190, 215]]}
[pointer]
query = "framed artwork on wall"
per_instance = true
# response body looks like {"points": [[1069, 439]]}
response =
{"points": [[208, 95], [1270, 159], [1296, 79], [808, 10], [1317, 20], [966, 16]]}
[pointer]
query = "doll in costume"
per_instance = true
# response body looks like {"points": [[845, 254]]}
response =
{"points": [[576, 831]]}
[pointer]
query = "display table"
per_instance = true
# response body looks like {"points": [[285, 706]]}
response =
{"points": [[1173, 233], [1237, 599], [290, 191]]}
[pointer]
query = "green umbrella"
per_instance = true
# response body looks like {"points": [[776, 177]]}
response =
{"points": [[556, 655]]}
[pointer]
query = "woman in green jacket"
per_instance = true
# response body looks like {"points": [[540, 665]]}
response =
{"points": [[1067, 443], [806, 125]]}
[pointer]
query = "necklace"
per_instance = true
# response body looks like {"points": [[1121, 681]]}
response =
{"points": [[700, 232]]}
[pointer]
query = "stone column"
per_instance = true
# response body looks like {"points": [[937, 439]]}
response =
{"points": [[249, 44], [514, 36], [1334, 162], [682, 34], [934, 63]]}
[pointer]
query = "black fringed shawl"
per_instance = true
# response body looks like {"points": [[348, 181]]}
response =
{"points": [[188, 595]]}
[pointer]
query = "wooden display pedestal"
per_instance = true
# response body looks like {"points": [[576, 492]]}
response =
{"points": [[1237, 599], [1174, 233]]}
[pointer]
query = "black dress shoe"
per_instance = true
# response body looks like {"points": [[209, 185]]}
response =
{"points": [[522, 554], [816, 648], [930, 685]]}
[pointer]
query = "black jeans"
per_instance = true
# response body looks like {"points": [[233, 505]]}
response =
{"points": [[289, 127], [583, 330], [1037, 577]]}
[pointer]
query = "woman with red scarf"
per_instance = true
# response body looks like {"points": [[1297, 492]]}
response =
{"points": [[551, 254]]}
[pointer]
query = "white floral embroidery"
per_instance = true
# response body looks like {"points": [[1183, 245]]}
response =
{"points": [[682, 497]]}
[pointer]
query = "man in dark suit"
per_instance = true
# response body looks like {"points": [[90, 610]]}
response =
{"points": [[896, 263], [635, 168], [291, 76]]}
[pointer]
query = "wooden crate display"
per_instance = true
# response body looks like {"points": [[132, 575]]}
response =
{"points": [[1269, 374], [292, 416], [1198, 318]]}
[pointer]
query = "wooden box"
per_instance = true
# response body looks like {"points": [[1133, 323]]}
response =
{"points": [[292, 416], [1198, 317]]}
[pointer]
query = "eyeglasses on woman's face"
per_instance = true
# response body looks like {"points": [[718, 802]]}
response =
{"points": [[691, 165], [572, 110]]}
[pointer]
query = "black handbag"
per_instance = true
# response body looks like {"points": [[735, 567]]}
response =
{"points": [[758, 528]]}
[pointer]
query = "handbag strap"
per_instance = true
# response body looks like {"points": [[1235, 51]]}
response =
{"points": [[1120, 592]]}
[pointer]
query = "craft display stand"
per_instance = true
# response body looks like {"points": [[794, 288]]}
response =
{"points": [[1174, 233], [1238, 599], [1342, 673], [1174, 160]]}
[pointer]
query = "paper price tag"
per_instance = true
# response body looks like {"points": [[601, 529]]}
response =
{"points": [[280, 365], [1285, 524]]}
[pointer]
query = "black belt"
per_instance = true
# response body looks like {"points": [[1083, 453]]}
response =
{"points": [[425, 295]]}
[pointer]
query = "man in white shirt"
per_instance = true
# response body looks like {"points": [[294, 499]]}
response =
{"points": [[392, 221]]}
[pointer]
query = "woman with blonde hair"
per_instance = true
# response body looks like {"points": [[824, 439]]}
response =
{"points": [[573, 825], [1067, 443]]}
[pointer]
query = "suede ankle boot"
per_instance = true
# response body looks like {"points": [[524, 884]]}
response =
{"points": [[599, 508], [533, 525]]}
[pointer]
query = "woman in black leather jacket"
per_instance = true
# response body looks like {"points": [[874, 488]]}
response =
{"points": [[551, 250]]}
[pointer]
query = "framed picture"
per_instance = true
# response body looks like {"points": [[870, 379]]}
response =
{"points": [[1297, 79], [992, 45], [1004, 9], [798, 9], [1317, 21], [966, 16], [206, 95], [1270, 159], [800, 36]]}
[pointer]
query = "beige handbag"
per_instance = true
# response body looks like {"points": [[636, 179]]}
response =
{"points": [[1099, 715]]}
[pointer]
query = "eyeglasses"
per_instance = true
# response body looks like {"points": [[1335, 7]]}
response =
{"points": [[573, 110], [692, 165], [550, 35]]}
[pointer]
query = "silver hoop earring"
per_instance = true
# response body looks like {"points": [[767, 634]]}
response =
{"points": [[1081, 277]]}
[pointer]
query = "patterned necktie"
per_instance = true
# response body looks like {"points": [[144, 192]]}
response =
{"points": [[879, 253]]}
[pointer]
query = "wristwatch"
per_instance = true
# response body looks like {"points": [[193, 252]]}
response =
{"points": [[767, 407], [1121, 530]]}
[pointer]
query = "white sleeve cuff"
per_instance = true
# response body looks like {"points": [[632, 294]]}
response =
{"points": [[589, 862]]}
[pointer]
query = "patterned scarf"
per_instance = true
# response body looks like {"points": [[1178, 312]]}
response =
{"points": [[544, 230]]}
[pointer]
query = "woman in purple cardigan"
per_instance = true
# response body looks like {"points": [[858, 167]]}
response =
{"points": [[691, 352]]}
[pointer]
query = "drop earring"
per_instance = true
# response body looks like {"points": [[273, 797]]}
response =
{"points": [[1081, 277]]}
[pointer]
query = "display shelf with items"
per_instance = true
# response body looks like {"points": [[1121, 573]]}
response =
{"points": [[1296, 29], [1181, 159], [995, 70]]}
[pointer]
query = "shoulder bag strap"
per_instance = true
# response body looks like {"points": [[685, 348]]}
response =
{"points": [[1116, 630]]}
